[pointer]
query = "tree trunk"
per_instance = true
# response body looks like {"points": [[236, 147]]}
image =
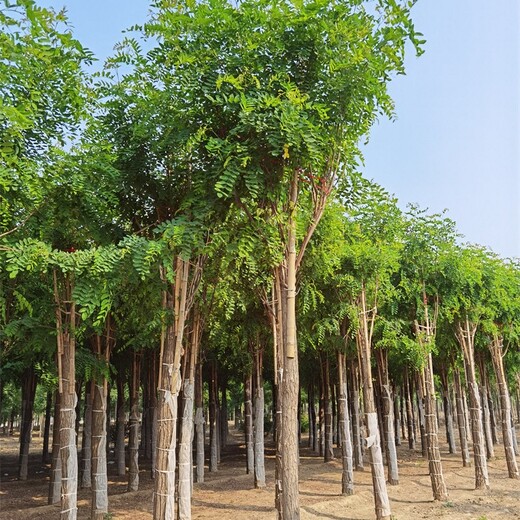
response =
{"points": [[86, 444], [66, 325], [133, 436], [55, 477], [28, 393], [486, 417], [388, 419], [47, 429], [169, 385], [120, 426], [496, 349], [420, 414], [461, 420], [373, 441], [99, 430], [199, 423], [328, 452], [347, 476], [213, 438], [439, 489], [466, 336], [185, 442], [448, 416], [312, 414], [356, 423], [258, 407], [409, 412], [223, 412], [397, 417]]}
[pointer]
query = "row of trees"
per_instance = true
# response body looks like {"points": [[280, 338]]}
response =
{"points": [[173, 207]]}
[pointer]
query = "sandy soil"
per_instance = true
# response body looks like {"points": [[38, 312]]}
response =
{"points": [[229, 493]]}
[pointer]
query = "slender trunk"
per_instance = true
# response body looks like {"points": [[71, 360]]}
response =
{"points": [[120, 427], [466, 335], [347, 475], [409, 413], [223, 413], [311, 413], [152, 411], [133, 436], [420, 413], [65, 325], [496, 349], [373, 441], [28, 393], [356, 423], [328, 452], [461, 420], [169, 382], [486, 418], [258, 407], [388, 419], [213, 439], [86, 444], [321, 416], [199, 422], [55, 479], [397, 417], [448, 416], [47, 428]]}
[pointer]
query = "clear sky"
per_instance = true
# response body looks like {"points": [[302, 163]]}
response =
{"points": [[456, 141]]}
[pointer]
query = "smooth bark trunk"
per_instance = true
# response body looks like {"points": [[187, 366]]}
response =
{"points": [[28, 393], [347, 475], [55, 478], [133, 436], [86, 444]]}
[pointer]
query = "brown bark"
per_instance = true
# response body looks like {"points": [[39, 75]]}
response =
{"points": [[328, 450], [496, 349], [120, 426], [47, 429], [448, 415], [65, 327], [86, 445], [54, 495], [465, 332], [213, 426], [169, 382], [461, 421]]}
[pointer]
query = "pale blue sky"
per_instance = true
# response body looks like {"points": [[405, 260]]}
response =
{"points": [[456, 141]]}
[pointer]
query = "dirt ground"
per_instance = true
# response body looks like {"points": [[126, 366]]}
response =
{"points": [[229, 493]]}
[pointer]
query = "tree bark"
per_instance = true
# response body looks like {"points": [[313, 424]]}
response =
{"points": [[373, 440], [461, 420], [199, 423], [66, 342], [55, 478], [47, 429], [388, 419], [86, 444], [347, 476], [466, 335], [259, 420], [120, 426], [496, 349], [28, 393], [328, 450], [213, 437], [356, 424], [169, 382], [133, 436], [448, 415]]}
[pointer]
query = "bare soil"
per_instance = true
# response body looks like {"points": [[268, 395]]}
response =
{"points": [[229, 493]]}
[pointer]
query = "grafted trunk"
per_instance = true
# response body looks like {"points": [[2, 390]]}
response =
{"points": [[448, 415], [347, 475], [259, 420], [120, 427], [373, 440], [496, 349], [66, 342], [466, 336], [55, 478], [86, 445], [461, 420], [47, 428], [387, 413], [169, 382], [133, 436], [28, 393]]}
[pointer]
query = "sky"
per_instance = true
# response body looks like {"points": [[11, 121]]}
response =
{"points": [[455, 143]]}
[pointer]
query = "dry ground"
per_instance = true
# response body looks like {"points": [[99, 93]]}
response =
{"points": [[229, 493]]}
